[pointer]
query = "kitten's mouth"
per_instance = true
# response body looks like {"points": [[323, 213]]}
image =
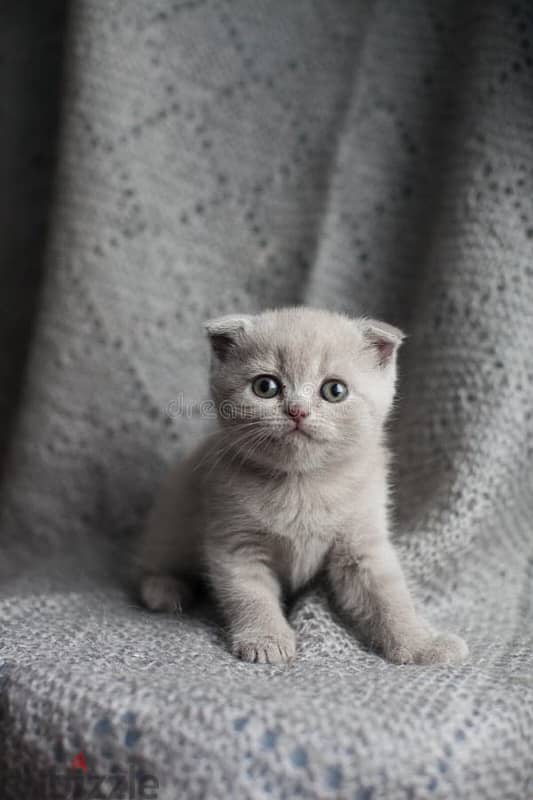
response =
{"points": [[297, 429]]}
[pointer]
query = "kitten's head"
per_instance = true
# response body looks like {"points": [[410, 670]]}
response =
{"points": [[298, 388]]}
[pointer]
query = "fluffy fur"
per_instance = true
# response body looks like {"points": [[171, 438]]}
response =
{"points": [[291, 485]]}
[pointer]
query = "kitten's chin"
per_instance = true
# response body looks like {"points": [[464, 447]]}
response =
{"points": [[286, 448], [294, 451]]}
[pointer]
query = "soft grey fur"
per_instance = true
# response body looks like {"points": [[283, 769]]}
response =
{"points": [[269, 501]]}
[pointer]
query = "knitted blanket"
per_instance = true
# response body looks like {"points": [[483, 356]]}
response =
{"points": [[218, 156]]}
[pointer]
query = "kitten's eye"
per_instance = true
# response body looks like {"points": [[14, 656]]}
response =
{"points": [[333, 391], [266, 386]]}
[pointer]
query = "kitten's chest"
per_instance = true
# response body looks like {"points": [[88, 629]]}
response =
{"points": [[296, 508], [301, 520]]}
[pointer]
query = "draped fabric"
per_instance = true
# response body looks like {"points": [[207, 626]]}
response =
{"points": [[203, 157]]}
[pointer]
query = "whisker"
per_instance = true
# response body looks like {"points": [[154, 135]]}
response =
{"points": [[223, 435], [233, 443]]}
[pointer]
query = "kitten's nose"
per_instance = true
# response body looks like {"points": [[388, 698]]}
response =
{"points": [[297, 411]]}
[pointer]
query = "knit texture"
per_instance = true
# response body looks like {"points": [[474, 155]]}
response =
{"points": [[222, 156]]}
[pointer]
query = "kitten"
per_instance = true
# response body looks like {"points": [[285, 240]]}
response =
{"points": [[294, 482]]}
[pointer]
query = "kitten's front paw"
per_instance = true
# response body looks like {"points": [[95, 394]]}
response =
{"points": [[443, 648], [439, 648], [274, 649]]}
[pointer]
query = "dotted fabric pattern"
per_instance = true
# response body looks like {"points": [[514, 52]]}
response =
{"points": [[222, 156]]}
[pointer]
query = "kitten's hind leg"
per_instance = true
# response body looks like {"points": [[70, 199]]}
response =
{"points": [[165, 592], [167, 558]]}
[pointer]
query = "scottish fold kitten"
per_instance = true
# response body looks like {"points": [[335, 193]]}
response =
{"points": [[294, 482]]}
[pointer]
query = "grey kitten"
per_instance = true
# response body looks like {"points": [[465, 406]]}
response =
{"points": [[294, 482]]}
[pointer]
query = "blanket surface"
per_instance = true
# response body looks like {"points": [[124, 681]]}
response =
{"points": [[218, 156]]}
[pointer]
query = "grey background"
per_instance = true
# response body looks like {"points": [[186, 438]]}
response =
{"points": [[168, 161]]}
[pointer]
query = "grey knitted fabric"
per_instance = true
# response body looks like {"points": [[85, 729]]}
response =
{"points": [[219, 156]]}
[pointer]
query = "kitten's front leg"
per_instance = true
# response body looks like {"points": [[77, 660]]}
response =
{"points": [[370, 587], [249, 594]]}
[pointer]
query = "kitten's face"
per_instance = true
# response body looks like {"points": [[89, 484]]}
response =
{"points": [[298, 388]]}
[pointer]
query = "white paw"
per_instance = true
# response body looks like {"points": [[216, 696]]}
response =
{"points": [[399, 654], [276, 649], [443, 648], [165, 593], [439, 648]]}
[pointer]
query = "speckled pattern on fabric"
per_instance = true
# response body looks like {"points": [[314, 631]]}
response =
{"points": [[219, 156]]}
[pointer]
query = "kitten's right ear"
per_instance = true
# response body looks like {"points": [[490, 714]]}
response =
{"points": [[384, 338], [225, 333]]}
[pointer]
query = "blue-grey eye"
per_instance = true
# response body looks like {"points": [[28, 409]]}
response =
{"points": [[334, 391], [266, 386]]}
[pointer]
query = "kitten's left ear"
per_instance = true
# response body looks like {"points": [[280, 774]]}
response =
{"points": [[384, 338], [225, 333]]}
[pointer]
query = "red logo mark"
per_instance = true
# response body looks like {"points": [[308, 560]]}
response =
{"points": [[78, 762]]}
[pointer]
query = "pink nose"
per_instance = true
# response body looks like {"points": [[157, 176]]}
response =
{"points": [[296, 411]]}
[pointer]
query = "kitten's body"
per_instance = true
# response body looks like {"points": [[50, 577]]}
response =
{"points": [[274, 498]]}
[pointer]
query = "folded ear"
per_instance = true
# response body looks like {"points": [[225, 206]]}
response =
{"points": [[225, 333], [384, 338]]}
